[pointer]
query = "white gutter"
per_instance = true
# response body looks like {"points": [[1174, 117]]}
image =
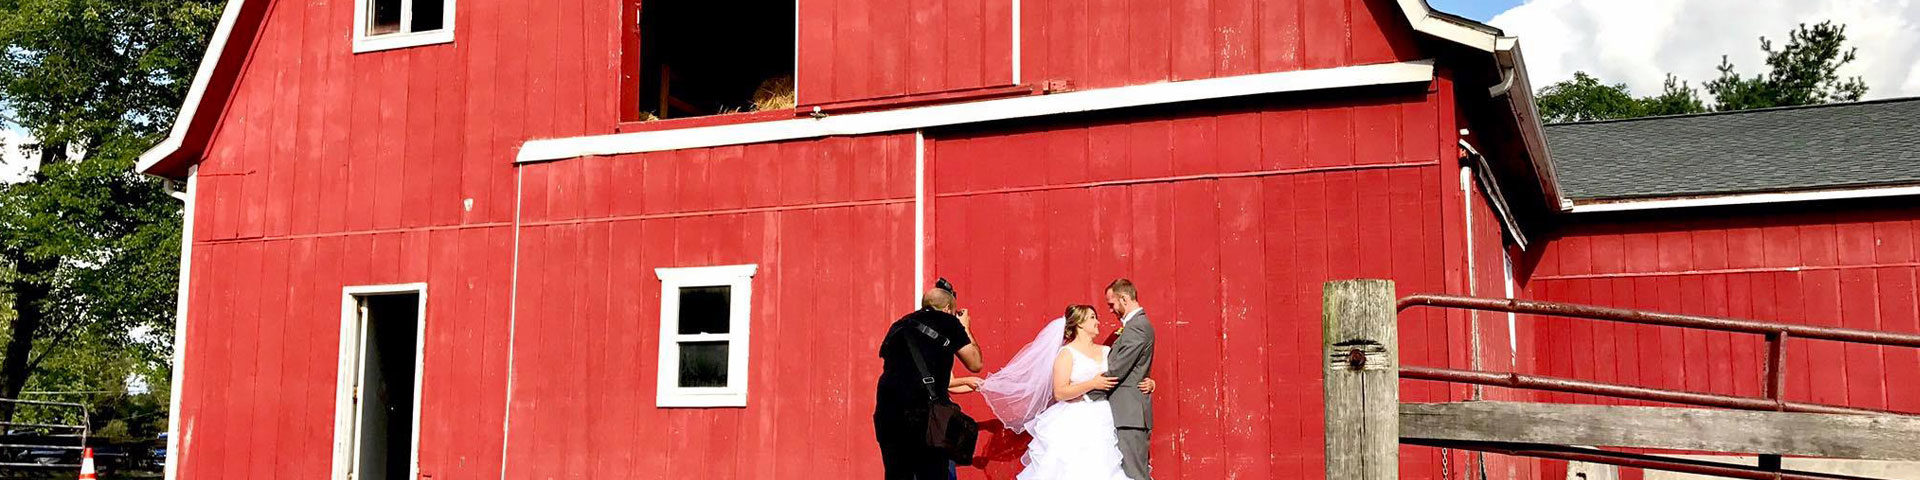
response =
{"points": [[1745, 199], [981, 111], [172, 469]]}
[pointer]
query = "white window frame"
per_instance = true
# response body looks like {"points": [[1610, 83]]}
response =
{"points": [[739, 279], [346, 413], [364, 42]]}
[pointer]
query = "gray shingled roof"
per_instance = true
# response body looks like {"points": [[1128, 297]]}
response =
{"points": [[1781, 149]]}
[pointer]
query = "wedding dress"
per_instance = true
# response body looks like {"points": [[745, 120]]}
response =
{"points": [[1074, 439]]}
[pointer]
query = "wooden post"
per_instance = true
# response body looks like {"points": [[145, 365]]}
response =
{"points": [[1362, 382]]}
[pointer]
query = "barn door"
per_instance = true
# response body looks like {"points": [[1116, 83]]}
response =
{"points": [[380, 366]]}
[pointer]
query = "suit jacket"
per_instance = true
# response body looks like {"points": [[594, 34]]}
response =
{"points": [[1130, 361]]}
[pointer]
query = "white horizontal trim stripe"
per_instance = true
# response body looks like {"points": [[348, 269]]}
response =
{"points": [[1747, 199], [981, 111]]}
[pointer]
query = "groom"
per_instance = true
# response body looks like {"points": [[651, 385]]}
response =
{"points": [[1130, 361]]}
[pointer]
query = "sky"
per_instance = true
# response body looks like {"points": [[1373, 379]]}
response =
{"points": [[1637, 42], [14, 164]]}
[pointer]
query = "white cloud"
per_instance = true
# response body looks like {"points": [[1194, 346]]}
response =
{"points": [[1638, 42]]}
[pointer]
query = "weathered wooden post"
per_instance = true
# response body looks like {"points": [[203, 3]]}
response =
{"points": [[1362, 387]]}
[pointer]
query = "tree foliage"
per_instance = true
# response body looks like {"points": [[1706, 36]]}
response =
{"points": [[1803, 72], [89, 250], [1585, 98]]}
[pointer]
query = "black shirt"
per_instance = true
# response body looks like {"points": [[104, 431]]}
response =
{"points": [[900, 385]]}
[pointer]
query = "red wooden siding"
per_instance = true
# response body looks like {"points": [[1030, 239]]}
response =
{"points": [[830, 225], [1853, 266], [321, 141], [858, 49], [333, 169], [263, 349], [1102, 43], [1230, 238]]}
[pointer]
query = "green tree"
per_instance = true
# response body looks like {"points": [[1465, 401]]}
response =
{"points": [[1804, 72], [1585, 98], [1676, 98], [88, 249]]}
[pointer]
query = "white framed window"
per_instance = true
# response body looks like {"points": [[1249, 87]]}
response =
{"points": [[377, 406], [704, 315], [389, 24]]}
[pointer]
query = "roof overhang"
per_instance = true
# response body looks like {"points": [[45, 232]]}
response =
{"points": [[207, 97]]}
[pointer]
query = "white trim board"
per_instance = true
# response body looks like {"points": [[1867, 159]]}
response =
{"points": [[1747, 199], [981, 111], [1424, 20], [919, 217], [346, 416], [171, 470]]}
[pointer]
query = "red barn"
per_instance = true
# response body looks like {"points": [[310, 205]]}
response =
{"points": [[617, 239]]}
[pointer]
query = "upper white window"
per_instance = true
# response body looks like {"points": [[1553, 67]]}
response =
{"points": [[703, 335], [389, 24]]}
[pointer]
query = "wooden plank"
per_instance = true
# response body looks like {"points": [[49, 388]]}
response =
{"points": [[390, 132], [1235, 33], [287, 83], [1149, 40], [1197, 349], [1868, 437], [1193, 49], [1280, 35], [1153, 237], [892, 30], [476, 132], [1244, 319], [270, 438], [1360, 344], [418, 154], [1326, 34], [926, 47], [852, 53], [1108, 48], [996, 54], [449, 141]]}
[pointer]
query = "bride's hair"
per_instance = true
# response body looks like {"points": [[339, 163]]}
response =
{"points": [[1076, 315]]}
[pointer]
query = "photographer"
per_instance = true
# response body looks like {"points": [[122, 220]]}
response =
{"points": [[938, 333]]}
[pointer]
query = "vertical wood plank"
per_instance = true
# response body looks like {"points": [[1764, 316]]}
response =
{"points": [[1192, 28], [926, 46], [1362, 387]]}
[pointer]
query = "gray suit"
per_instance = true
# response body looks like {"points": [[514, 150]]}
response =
{"points": [[1131, 360]]}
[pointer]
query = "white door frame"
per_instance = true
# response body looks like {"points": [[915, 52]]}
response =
{"points": [[346, 421]]}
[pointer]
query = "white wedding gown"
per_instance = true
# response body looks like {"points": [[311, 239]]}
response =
{"points": [[1074, 439]]}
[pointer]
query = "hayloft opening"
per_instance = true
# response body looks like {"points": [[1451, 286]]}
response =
{"points": [[701, 57]]}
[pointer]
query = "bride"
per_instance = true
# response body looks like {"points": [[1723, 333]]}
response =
{"points": [[1043, 391]]}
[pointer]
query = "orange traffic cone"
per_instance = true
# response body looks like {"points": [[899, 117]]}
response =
{"points": [[86, 464]]}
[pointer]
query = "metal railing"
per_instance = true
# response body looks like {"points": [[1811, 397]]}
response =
{"points": [[18, 451], [1776, 336]]}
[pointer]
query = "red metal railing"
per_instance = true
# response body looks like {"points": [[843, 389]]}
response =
{"points": [[1775, 334]]}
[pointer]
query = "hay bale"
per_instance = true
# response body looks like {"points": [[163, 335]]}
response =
{"points": [[775, 94]]}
